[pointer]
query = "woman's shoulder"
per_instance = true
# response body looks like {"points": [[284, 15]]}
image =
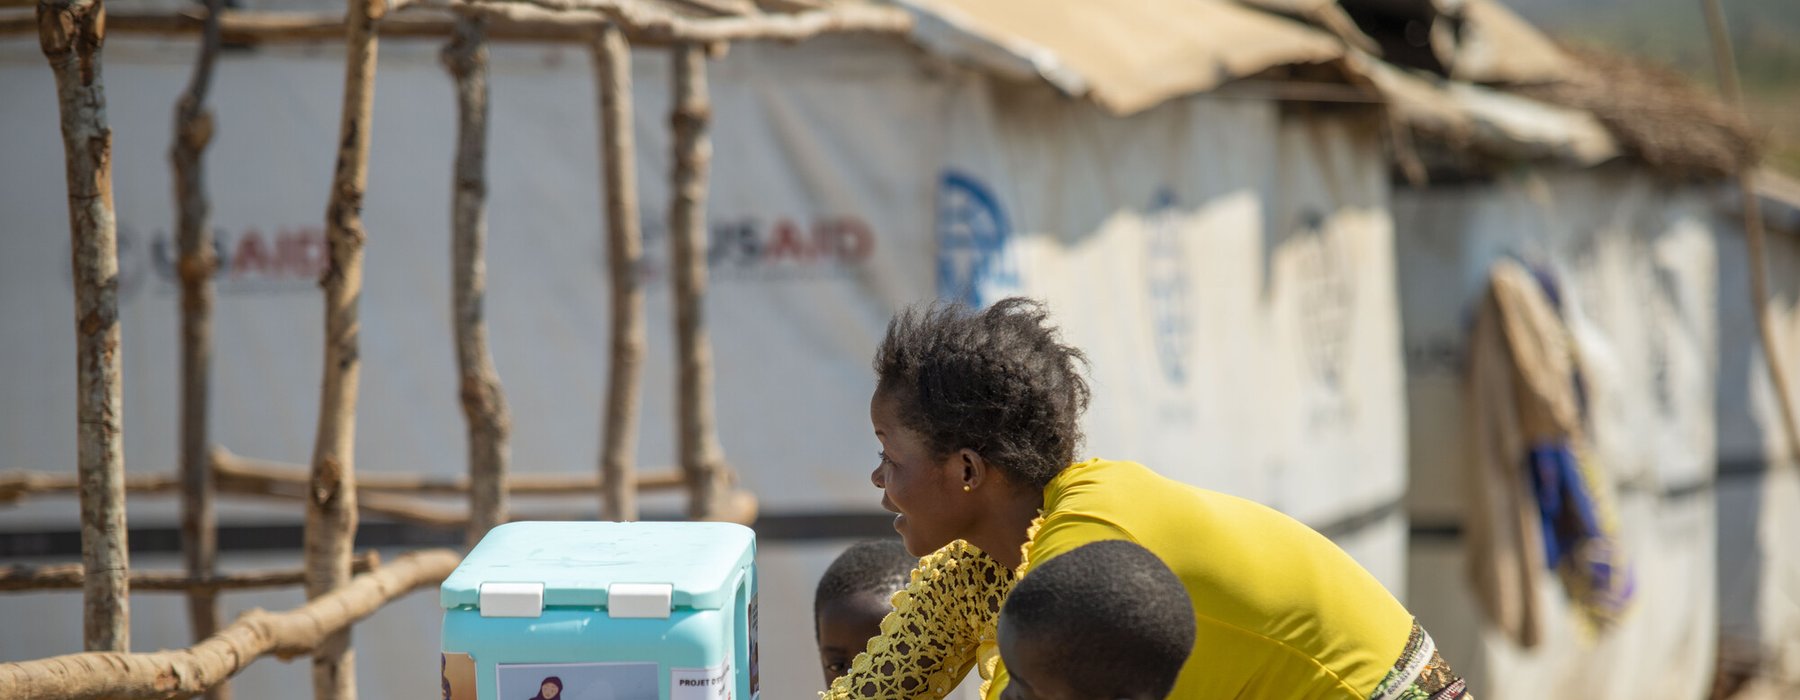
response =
{"points": [[956, 551], [1097, 487], [964, 564], [1102, 469]]}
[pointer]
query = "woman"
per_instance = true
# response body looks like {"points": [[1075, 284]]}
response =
{"points": [[977, 414], [549, 689]]}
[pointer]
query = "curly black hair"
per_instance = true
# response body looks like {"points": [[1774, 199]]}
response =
{"points": [[1111, 616], [870, 566], [997, 381]]}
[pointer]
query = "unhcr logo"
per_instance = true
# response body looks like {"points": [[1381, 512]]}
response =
{"points": [[977, 263], [1327, 287], [1166, 280]]}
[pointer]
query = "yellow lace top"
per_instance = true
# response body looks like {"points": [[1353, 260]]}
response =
{"points": [[1282, 612], [942, 624]]}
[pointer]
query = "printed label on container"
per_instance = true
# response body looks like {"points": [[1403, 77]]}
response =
{"points": [[594, 681], [458, 671], [755, 671], [714, 683]]}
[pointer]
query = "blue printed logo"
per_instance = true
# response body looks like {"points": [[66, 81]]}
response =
{"points": [[976, 260], [1325, 276], [1166, 277]]}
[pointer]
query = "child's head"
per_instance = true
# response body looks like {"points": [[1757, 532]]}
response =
{"points": [[1106, 620], [853, 596]]}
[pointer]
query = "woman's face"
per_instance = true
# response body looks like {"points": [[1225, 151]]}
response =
{"points": [[549, 690], [924, 491]]}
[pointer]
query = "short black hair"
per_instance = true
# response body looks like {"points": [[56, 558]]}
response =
{"points": [[882, 567], [998, 381], [1118, 621]]}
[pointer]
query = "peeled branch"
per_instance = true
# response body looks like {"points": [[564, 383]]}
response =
{"points": [[185, 672]]}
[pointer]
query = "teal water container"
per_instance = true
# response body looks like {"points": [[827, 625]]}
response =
{"points": [[603, 611]]}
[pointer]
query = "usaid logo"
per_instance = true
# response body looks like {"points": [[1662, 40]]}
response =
{"points": [[1166, 280], [976, 261], [251, 260], [764, 249]]}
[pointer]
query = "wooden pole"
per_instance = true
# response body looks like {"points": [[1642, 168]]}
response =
{"points": [[17, 486], [264, 27], [624, 251], [234, 466], [1724, 61], [71, 32], [648, 21], [18, 578], [1726, 65], [699, 450], [193, 237], [423, 19], [185, 672], [331, 507], [383, 504], [389, 498], [483, 404]]}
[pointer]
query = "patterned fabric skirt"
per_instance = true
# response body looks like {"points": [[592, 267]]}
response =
{"points": [[1421, 674]]}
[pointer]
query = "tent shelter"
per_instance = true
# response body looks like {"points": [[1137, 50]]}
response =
{"points": [[1614, 208], [1221, 249], [1759, 488], [1203, 192]]}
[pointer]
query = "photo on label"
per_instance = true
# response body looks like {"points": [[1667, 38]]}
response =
{"points": [[602, 681], [458, 671]]}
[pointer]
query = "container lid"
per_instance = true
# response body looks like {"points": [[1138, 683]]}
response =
{"points": [[578, 561]]}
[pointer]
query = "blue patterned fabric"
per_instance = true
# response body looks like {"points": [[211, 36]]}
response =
{"points": [[1579, 542]]}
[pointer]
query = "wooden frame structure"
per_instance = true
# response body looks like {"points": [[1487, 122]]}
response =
{"points": [[342, 587]]}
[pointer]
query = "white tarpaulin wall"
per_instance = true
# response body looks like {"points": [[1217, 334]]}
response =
{"points": [[1636, 268], [1759, 494], [1227, 267], [1238, 307]]}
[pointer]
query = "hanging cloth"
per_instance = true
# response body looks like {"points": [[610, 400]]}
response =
{"points": [[1537, 498]]}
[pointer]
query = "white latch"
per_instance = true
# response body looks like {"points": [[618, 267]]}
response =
{"points": [[512, 599], [639, 599]]}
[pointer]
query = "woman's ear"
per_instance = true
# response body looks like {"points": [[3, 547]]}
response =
{"points": [[974, 471]]}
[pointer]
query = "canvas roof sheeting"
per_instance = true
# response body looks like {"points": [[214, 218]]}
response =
{"points": [[1490, 122], [1496, 46], [1125, 56]]}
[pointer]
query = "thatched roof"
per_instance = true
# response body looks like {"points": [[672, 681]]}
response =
{"points": [[1657, 116]]}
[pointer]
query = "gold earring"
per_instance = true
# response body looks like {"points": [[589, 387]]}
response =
{"points": [[967, 488]]}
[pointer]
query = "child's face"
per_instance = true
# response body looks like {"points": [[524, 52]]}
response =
{"points": [[1027, 679], [845, 627], [1031, 673]]}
